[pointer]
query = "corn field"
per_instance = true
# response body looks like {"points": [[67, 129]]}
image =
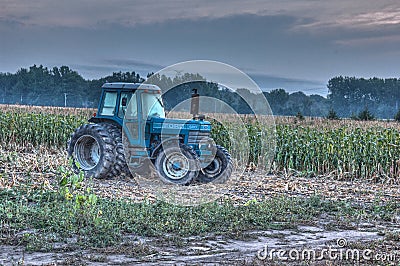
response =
{"points": [[17, 126], [341, 149], [361, 152]]}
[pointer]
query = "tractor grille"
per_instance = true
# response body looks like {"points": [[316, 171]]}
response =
{"points": [[196, 136]]}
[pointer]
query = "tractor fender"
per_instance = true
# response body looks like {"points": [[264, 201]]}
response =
{"points": [[166, 142], [97, 120]]}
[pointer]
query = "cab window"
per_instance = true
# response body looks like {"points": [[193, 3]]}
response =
{"points": [[128, 105], [109, 103], [123, 103], [152, 105]]}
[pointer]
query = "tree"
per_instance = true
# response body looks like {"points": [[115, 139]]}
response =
{"points": [[278, 96], [397, 116], [299, 116], [366, 115], [332, 115]]}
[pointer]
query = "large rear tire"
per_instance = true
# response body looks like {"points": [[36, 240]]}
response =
{"points": [[120, 166], [220, 168], [92, 150], [177, 164]]}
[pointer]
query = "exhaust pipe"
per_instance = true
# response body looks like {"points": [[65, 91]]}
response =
{"points": [[194, 104]]}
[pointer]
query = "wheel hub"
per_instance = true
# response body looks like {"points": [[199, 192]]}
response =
{"points": [[176, 166], [87, 152]]}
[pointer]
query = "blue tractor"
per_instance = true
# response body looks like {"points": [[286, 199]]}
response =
{"points": [[129, 133]]}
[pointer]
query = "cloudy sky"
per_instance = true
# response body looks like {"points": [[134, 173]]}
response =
{"points": [[295, 44]]}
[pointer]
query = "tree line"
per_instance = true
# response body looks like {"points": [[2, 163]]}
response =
{"points": [[350, 96], [59, 86]]}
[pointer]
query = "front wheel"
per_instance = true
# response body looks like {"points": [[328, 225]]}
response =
{"points": [[177, 165], [220, 168]]}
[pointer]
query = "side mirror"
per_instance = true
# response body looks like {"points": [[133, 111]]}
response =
{"points": [[124, 102]]}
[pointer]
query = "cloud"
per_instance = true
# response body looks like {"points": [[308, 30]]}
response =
{"points": [[132, 13], [107, 66], [90, 13], [132, 63], [270, 82], [373, 19], [302, 39], [374, 41], [11, 22], [376, 16]]}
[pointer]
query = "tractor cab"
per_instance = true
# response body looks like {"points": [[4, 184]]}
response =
{"points": [[130, 100]]}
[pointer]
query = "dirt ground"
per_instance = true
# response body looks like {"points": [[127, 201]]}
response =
{"points": [[246, 249], [40, 167], [251, 249]]}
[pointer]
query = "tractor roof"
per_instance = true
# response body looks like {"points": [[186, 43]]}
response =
{"points": [[133, 86]]}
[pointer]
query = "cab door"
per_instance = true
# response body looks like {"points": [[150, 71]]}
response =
{"points": [[132, 125]]}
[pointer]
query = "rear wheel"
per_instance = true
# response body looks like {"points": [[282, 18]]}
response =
{"points": [[177, 165], [220, 168], [92, 150], [120, 166]]}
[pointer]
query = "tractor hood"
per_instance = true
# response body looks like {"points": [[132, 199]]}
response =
{"points": [[174, 125]]}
